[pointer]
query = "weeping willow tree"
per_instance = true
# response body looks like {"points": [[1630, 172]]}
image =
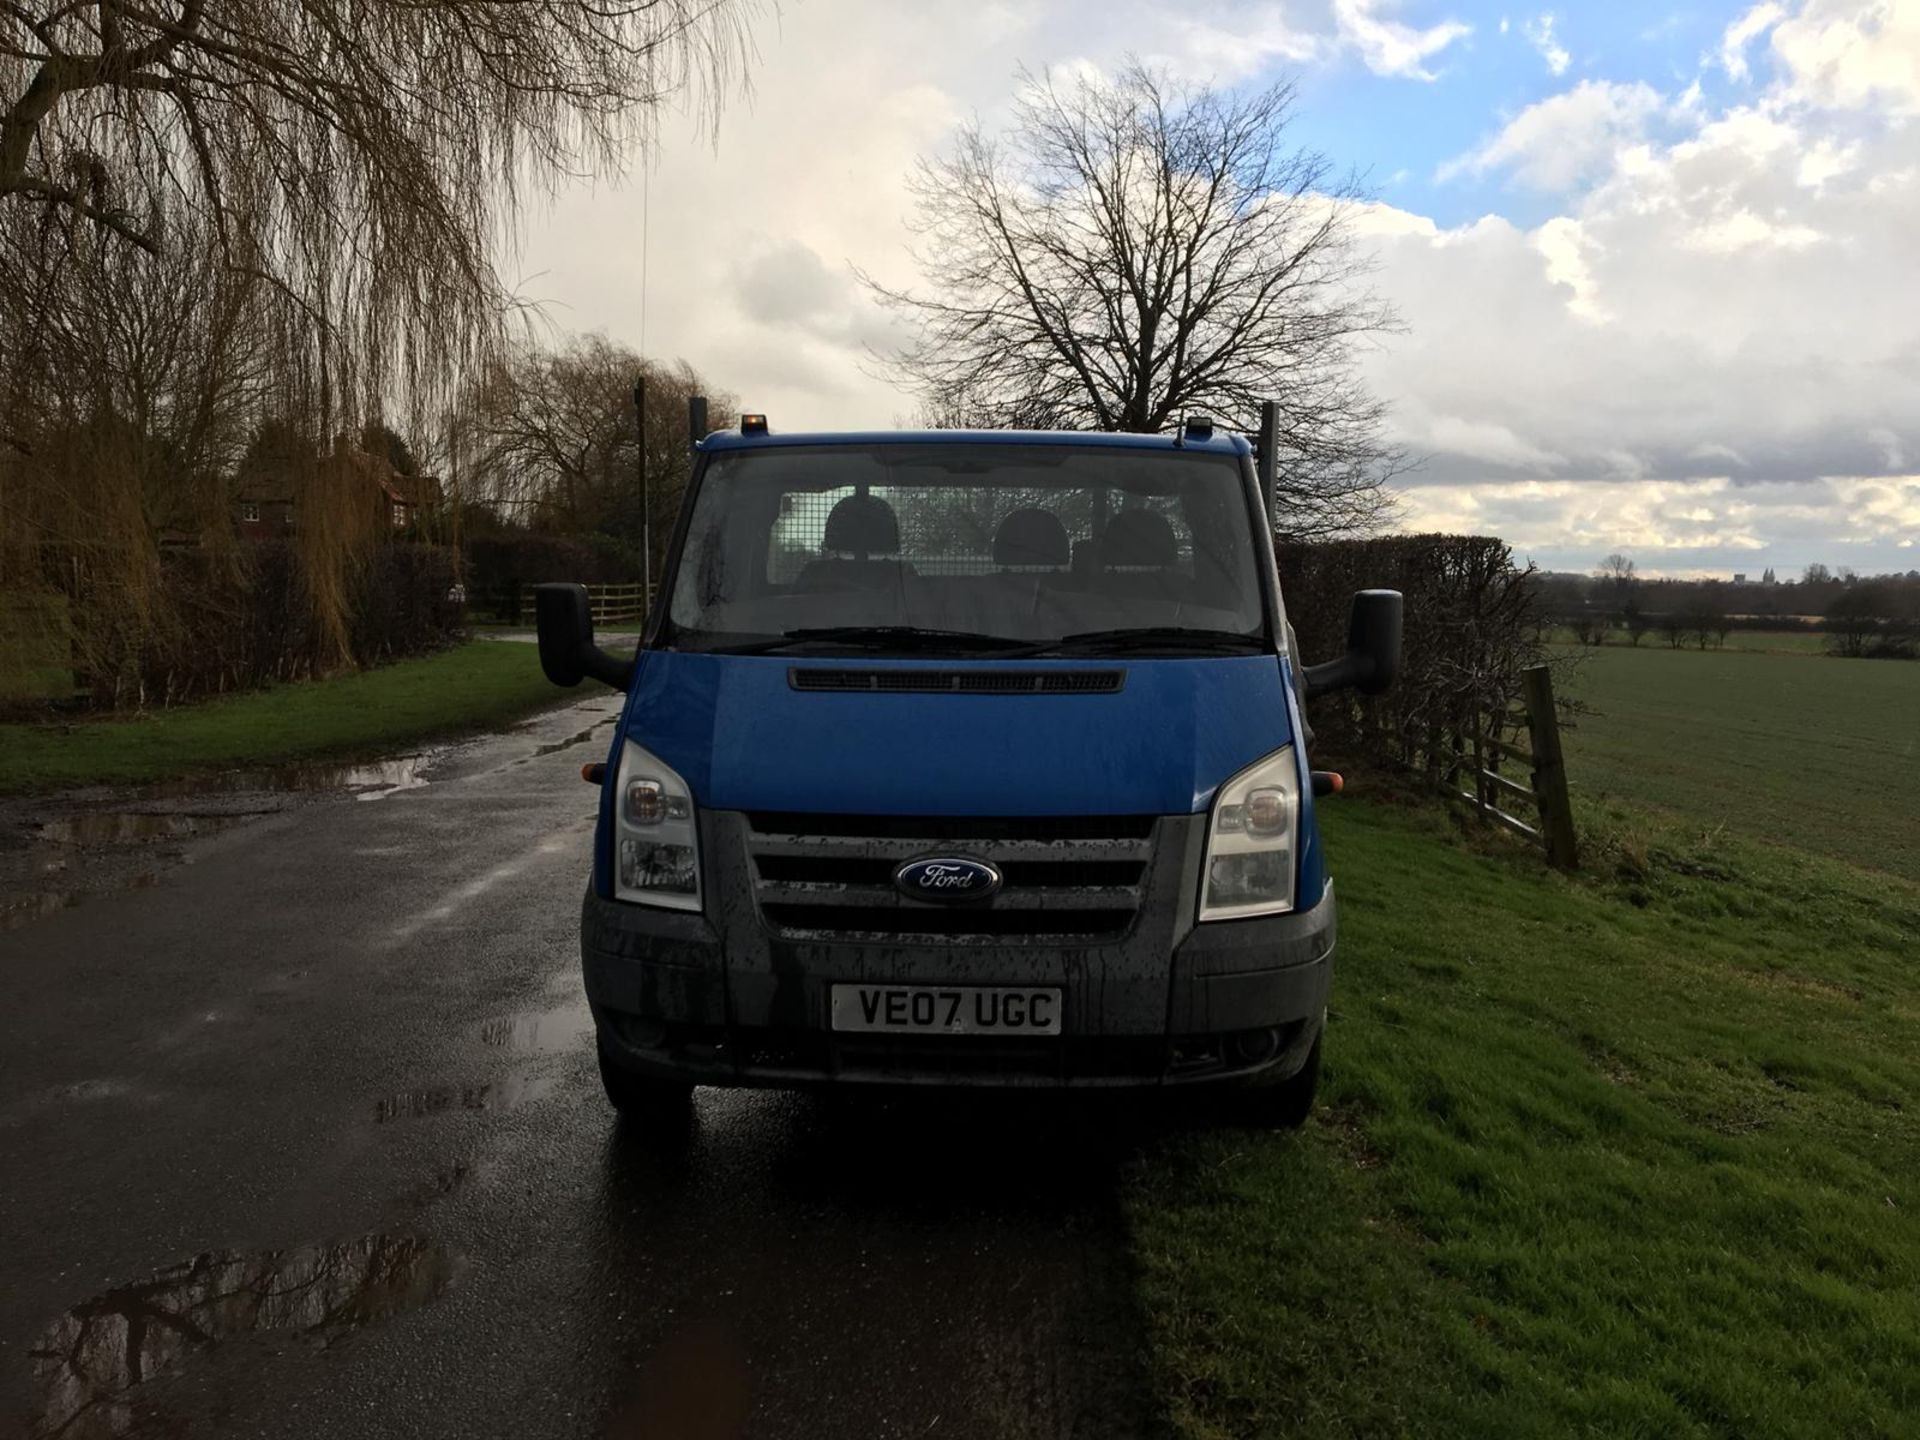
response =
{"points": [[216, 211]]}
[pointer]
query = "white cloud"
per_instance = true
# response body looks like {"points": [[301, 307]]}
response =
{"points": [[1564, 245], [1489, 441], [1743, 230], [1849, 54], [1825, 160], [1710, 525], [1239, 44], [1743, 32], [1389, 47], [1566, 139], [1539, 31], [1706, 323], [1709, 333]]}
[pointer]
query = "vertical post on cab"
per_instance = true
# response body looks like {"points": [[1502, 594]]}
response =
{"points": [[646, 500], [1266, 455]]}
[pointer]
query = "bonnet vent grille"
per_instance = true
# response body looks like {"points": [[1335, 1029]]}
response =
{"points": [[958, 682]]}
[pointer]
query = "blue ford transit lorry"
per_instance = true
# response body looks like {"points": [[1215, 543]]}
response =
{"points": [[963, 758]]}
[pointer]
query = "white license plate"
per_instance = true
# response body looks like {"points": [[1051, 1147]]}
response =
{"points": [[946, 1010]]}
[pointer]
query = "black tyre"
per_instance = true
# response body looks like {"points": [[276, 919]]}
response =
{"points": [[645, 1100], [1287, 1105]]}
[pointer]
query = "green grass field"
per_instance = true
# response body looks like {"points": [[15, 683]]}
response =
{"points": [[471, 687], [1597, 1156], [1807, 751]]}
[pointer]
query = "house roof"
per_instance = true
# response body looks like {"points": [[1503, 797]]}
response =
{"points": [[268, 487]]}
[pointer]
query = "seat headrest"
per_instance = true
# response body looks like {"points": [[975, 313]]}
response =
{"points": [[862, 525], [1139, 537], [1031, 537]]}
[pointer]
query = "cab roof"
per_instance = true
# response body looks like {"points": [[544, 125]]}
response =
{"points": [[1221, 442]]}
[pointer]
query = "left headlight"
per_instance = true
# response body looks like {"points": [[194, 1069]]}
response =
{"points": [[1252, 841], [656, 846]]}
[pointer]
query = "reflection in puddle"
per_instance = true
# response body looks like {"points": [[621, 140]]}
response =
{"points": [[88, 1363], [540, 1030], [371, 781], [439, 1099], [118, 827], [42, 903], [37, 906], [567, 744]]}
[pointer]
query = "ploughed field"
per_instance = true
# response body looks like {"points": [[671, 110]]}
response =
{"points": [[1804, 750], [1635, 1152]]}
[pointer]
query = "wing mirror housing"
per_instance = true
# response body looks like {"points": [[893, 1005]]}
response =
{"points": [[568, 655], [1372, 661]]}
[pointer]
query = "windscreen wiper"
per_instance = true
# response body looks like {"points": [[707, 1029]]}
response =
{"points": [[1157, 637], [909, 636]]}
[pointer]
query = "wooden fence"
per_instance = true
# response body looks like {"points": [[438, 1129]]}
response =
{"points": [[618, 604], [1493, 793], [611, 603]]}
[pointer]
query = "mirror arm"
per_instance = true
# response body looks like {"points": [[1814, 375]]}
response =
{"points": [[597, 664], [1347, 671]]}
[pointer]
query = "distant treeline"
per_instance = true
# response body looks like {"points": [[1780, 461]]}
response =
{"points": [[1873, 616]]}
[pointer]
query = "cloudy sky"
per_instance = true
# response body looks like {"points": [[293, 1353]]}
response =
{"points": [[1659, 264]]}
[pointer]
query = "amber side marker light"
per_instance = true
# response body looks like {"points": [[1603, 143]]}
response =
{"points": [[1328, 782], [594, 774]]}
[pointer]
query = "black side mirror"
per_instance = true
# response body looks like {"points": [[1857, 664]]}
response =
{"points": [[1372, 661], [564, 621]]}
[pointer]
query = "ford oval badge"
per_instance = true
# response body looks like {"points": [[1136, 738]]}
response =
{"points": [[947, 879]]}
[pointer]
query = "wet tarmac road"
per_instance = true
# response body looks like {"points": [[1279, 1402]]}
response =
{"points": [[304, 1139]]}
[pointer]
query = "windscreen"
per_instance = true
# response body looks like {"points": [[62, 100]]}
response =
{"points": [[1028, 543]]}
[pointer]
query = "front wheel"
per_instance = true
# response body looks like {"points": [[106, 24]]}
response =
{"points": [[644, 1099], [1287, 1105]]}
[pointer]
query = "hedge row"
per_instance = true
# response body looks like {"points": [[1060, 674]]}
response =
{"points": [[200, 627], [1472, 625], [501, 567]]}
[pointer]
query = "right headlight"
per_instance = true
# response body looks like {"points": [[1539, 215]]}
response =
{"points": [[656, 848], [1252, 841]]}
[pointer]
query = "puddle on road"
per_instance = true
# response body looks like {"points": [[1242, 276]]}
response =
{"points": [[119, 827], [37, 906], [540, 1031], [371, 781], [23, 909], [441, 1099], [90, 1363], [555, 746]]}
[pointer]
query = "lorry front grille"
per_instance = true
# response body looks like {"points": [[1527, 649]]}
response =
{"points": [[1078, 876]]}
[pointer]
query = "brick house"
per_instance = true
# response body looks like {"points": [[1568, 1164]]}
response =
{"points": [[264, 507]]}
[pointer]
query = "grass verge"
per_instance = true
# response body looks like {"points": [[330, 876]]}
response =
{"points": [[1637, 1155], [470, 687]]}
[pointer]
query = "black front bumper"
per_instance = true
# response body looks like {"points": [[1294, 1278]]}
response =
{"points": [[1230, 1001]]}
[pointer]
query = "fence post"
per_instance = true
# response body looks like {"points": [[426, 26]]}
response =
{"points": [[1549, 769]]}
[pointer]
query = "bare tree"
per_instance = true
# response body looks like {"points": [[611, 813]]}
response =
{"points": [[547, 438], [1637, 621], [1137, 250], [361, 155]]}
